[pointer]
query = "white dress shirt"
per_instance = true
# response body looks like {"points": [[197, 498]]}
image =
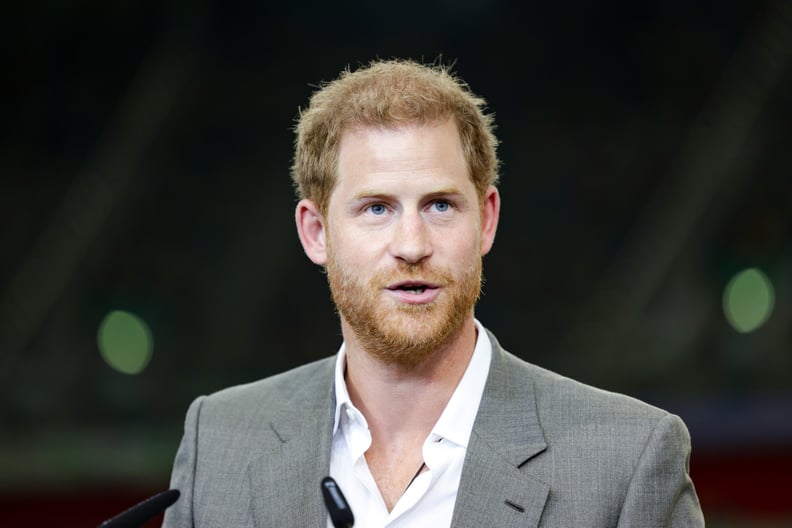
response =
{"points": [[430, 498]]}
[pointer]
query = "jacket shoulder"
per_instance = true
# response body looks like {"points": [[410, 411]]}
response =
{"points": [[560, 396], [295, 390], [602, 451]]}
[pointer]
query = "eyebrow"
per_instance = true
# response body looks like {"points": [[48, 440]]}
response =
{"points": [[371, 193]]}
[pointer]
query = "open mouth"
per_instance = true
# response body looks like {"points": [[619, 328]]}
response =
{"points": [[415, 288]]}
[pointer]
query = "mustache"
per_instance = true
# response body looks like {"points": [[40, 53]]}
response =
{"points": [[414, 272]]}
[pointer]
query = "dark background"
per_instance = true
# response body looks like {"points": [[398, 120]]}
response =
{"points": [[144, 155]]}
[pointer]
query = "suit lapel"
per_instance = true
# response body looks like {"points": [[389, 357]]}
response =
{"points": [[285, 482], [497, 488]]}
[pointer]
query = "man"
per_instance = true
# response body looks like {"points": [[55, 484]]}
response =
{"points": [[422, 418]]}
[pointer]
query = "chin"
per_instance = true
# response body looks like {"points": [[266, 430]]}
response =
{"points": [[409, 339]]}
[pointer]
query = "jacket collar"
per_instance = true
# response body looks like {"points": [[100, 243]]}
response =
{"points": [[496, 488], [285, 482]]}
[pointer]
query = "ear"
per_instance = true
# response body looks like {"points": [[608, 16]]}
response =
{"points": [[311, 230], [490, 212]]}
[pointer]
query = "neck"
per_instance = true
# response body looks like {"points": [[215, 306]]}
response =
{"points": [[399, 400]]}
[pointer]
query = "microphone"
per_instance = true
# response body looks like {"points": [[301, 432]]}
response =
{"points": [[337, 506], [142, 512]]}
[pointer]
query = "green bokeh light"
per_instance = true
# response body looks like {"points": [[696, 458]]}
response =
{"points": [[748, 300], [125, 342]]}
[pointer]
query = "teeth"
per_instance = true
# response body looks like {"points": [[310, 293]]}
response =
{"points": [[415, 289]]}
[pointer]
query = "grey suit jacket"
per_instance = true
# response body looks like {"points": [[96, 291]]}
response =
{"points": [[545, 451]]}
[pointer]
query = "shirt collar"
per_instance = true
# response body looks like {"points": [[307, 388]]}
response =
{"points": [[342, 395], [456, 421]]}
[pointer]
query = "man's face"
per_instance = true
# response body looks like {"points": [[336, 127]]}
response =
{"points": [[404, 239]]}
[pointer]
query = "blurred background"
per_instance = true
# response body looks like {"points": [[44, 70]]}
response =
{"points": [[148, 253]]}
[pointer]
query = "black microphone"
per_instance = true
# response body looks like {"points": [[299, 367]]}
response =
{"points": [[142, 512], [337, 506]]}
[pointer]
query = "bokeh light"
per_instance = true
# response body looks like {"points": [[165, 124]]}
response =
{"points": [[125, 342], [748, 300]]}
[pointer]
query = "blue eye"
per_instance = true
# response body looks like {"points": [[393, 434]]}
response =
{"points": [[377, 209], [442, 206]]}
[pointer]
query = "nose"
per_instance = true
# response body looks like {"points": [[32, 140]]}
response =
{"points": [[411, 241]]}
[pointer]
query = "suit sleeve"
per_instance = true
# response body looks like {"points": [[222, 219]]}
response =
{"points": [[661, 493], [180, 515]]}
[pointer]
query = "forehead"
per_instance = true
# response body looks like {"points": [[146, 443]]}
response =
{"points": [[411, 151]]}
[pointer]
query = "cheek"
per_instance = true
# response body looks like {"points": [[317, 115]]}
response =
{"points": [[355, 250], [466, 242]]}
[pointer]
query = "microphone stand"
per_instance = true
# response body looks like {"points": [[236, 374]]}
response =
{"points": [[142, 512]]}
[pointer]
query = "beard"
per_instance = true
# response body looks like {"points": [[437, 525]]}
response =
{"points": [[398, 333]]}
